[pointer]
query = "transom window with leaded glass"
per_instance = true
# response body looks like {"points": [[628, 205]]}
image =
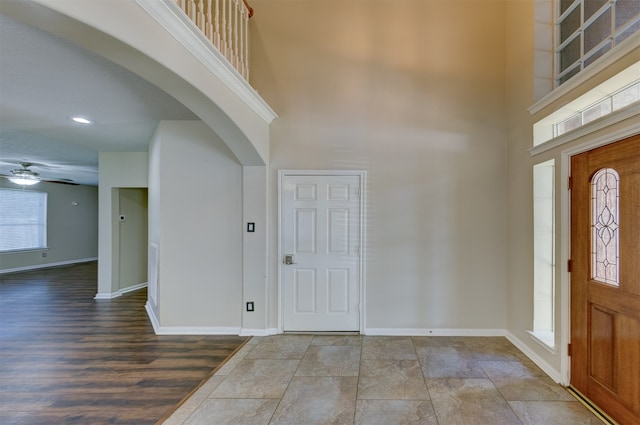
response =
{"points": [[587, 29]]}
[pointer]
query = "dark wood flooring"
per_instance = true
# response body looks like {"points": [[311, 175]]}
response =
{"points": [[66, 358]]}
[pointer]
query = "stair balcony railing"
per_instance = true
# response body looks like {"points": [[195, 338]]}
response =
{"points": [[226, 24]]}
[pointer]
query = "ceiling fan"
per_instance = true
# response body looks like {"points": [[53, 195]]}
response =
{"points": [[26, 177]]}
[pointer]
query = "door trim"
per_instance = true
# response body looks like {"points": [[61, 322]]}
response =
{"points": [[362, 174], [587, 143]]}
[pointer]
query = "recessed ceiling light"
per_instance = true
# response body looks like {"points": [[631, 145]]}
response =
{"points": [[81, 120]]}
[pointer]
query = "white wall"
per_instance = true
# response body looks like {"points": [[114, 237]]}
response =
{"points": [[412, 92], [195, 218], [72, 230], [255, 249]]}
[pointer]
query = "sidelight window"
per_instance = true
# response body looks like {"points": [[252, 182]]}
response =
{"points": [[544, 252]]}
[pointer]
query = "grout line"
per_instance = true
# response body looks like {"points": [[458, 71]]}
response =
{"points": [[291, 379]]}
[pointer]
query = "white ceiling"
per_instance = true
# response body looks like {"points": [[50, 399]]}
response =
{"points": [[45, 80]]}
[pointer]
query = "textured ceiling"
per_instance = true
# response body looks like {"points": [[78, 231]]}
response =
{"points": [[45, 80]]}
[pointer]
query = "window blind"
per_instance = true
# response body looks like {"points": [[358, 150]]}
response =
{"points": [[23, 220]]}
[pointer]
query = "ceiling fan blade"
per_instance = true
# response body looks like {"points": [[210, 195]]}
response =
{"points": [[57, 181], [61, 181]]}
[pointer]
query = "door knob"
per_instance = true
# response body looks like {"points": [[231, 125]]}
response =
{"points": [[288, 259]]}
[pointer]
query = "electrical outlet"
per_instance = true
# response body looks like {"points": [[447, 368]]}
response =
{"points": [[250, 306]]}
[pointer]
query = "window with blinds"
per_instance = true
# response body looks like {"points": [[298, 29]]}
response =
{"points": [[23, 220]]}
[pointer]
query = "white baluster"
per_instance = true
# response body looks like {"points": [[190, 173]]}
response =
{"points": [[246, 46], [227, 27], [216, 35], [200, 18], [229, 33], [191, 10], [241, 36], [223, 43], [236, 9], [208, 28]]}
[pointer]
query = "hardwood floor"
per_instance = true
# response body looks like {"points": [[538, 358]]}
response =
{"points": [[66, 358]]}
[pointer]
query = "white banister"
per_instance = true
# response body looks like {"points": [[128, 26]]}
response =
{"points": [[226, 27]]}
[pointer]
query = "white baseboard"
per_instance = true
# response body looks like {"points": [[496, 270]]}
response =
{"points": [[119, 292], [152, 317], [46, 265], [433, 332], [258, 332], [196, 330], [187, 330], [542, 364]]}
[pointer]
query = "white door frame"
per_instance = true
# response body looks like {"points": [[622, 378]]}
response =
{"points": [[361, 257]]}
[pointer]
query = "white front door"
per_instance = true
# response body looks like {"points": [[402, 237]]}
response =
{"points": [[320, 237]]}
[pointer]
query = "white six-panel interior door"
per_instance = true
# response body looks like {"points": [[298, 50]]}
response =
{"points": [[320, 237]]}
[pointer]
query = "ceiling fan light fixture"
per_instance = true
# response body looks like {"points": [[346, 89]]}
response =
{"points": [[24, 177], [23, 181], [81, 120]]}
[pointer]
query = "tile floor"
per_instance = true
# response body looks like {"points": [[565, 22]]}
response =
{"points": [[308, 380]]}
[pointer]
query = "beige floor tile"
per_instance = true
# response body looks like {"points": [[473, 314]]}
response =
{"points": [[337, 340], [449, 362], [396, 412], [493, 349], [203, 392], [391, 379], [438, 341], [511, 369], [524, 381], [469, 402], [233, 361], [329, 360], [234, 412], [257, 378], [178, 417], [317, 401], [553, 413], [194, 402], [262, 384], [532, 389], [281, 347], [388, 347]]}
